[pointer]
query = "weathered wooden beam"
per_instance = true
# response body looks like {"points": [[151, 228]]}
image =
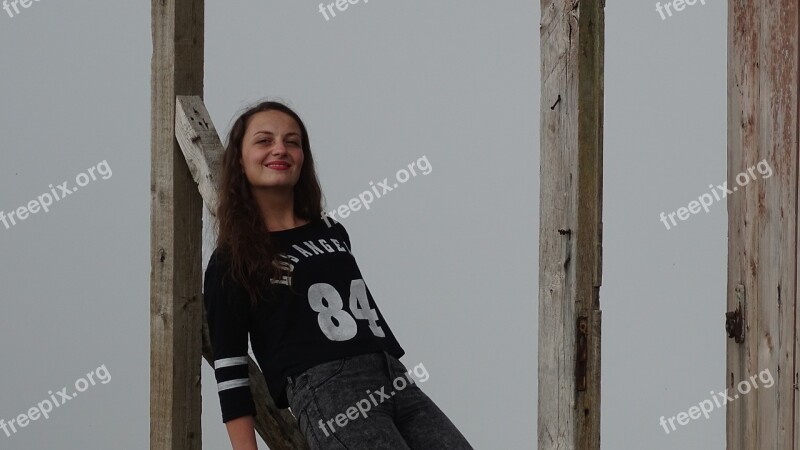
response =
{"points": [[570, 233], [762, 223], [176, 226], [201, 146], [202, 149]]}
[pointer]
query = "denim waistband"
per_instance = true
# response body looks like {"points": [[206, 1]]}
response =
{"points": [[382, 354]]}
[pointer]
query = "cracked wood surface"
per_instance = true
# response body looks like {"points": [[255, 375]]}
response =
{"points": [[570, 233]]}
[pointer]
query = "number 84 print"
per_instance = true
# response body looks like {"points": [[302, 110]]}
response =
{"points": [[344, 327]]}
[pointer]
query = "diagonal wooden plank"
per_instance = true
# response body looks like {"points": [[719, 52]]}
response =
{"points": [[202, 149], [201, 146]]}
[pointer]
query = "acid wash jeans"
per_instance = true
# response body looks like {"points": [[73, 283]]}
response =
{"points": [[386, 417]]}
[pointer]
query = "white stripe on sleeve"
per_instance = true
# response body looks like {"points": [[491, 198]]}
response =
{"points": [[227, 362], [233, 384]]}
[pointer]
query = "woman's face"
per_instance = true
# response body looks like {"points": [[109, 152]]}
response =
{"points": [[272, 152]]}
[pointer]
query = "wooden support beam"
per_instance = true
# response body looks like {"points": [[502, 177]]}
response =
{"points": [[201, 146], [570, 232], [762, 223], [203, 150], [176, 226]]}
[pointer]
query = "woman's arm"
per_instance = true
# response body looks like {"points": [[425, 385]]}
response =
{"points": [[242, 433], [227, 314]]}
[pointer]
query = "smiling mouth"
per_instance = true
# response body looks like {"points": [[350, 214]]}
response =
{"points": [[277, 166]]}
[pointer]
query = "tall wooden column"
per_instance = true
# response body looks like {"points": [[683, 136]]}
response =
{"points": [[570, 232], [176, 233], [762, 224]]}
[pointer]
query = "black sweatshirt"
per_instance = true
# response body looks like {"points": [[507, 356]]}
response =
{"points": [[298, 332]]}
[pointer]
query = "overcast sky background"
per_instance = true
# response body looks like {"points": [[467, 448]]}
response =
{"points": [[450, 257]]}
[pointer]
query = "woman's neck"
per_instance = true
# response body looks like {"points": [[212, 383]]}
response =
{"points": [[277, 209]]}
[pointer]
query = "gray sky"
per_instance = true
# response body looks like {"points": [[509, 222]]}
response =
{"points": [[450, 257]]}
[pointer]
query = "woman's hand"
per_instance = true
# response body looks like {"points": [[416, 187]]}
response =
{"points": [[242, 433]]}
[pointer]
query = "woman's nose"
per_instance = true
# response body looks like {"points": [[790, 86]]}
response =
{"points": [[278, 148]]}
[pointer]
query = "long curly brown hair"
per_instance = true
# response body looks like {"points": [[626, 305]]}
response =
{"points": [[242, 233]]}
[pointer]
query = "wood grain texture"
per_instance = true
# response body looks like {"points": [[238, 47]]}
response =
{"points": [[570, 233], [762, 221], [176, 225], [202, 148]]}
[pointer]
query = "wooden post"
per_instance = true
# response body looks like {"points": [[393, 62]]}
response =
{"points": [[176, 232], [570, 232], [762, 223], [203, 151]]}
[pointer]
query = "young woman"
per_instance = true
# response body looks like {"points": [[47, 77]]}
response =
{"points": [[284, 275]]}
